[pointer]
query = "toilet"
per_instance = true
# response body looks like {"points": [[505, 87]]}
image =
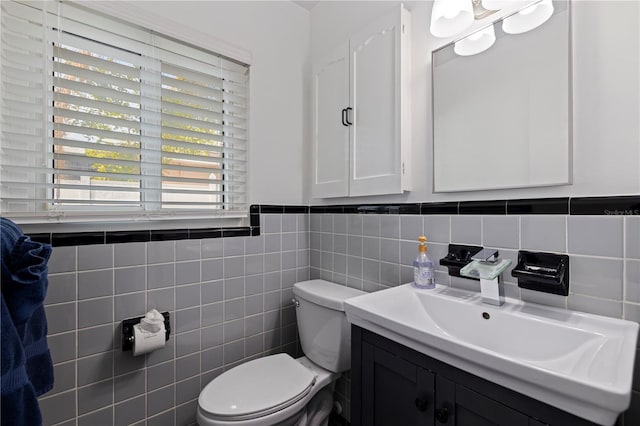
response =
{"points": [[278, 389]]}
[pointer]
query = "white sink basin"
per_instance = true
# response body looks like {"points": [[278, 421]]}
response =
{"points": [[578, 362]]}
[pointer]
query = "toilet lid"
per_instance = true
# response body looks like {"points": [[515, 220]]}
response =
{"points": [[257, 388]]}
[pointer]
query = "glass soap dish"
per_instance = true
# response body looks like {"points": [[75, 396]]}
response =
{"points": [[485, 270]]}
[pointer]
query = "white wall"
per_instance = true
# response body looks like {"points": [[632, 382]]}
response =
{"points": [[276, 33], [606, 61], [284, 38]]}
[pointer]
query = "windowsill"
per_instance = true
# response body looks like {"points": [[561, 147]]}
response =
{"points": [[131, 225], [105, 232]]}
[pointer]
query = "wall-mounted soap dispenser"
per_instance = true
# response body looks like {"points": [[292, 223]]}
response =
{"points": [[458, 257], [547, 272]]}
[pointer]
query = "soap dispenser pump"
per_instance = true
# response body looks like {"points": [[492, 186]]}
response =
{"points": [[423, 276]]}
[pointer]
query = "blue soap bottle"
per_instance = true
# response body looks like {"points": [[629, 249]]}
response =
{"points": [[423, 276]]}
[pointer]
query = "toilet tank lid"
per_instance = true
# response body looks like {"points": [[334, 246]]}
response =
{"points": [[325, 293]]}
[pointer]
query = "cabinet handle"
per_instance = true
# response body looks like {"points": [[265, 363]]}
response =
{"points": [[349, 109], [344, 112], [442, 415], [421, 404]]}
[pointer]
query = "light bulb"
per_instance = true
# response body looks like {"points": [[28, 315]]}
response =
{"points": [[476, 42], [476, 35], [529, 9], [501, 4], [450, 17], [528, 18], [451, 13]]}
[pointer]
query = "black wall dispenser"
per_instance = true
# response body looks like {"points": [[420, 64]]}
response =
{"points": [[547, 272], [458, 257]]}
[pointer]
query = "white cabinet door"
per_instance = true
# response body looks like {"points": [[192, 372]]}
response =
{"points": [[330, 133], [363, 151], [378, 58]]}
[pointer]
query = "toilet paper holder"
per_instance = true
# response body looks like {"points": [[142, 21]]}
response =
{"points": [[127, 330]]}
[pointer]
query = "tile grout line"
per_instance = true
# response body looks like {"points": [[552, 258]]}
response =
{"points": [[624, 266]]}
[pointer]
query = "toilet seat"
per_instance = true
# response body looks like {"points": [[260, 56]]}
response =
{"points": [[256, 388]]}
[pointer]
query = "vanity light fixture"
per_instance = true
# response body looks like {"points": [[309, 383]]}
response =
{"points": [[528, 18], [451, 17], [476, 42]]}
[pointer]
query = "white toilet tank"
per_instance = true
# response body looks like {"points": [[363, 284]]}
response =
{"points": [[325, 334]]}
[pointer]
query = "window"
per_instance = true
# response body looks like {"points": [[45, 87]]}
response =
{"points": [[103, 118]]}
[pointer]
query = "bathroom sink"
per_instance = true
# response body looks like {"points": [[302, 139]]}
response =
{"points": [[578, 362], [505, 332]]}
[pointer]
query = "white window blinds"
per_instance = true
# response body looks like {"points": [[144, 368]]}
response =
{"points": [[102, 118]]}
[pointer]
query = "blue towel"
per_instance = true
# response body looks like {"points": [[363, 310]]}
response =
{"points": [[24, 272], [24, 325], [19, 400]]}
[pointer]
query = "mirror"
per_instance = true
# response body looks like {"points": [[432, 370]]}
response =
{"points": [[502, 117]]}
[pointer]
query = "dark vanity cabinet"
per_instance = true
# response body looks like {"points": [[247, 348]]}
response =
{"points": [[396, 391], [392, 385]]}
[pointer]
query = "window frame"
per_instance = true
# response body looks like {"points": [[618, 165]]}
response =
{"points": [[152, 219]]}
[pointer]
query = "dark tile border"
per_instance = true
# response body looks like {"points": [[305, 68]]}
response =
{"points": [[334, 209], [614, 205], [439, 208], [254, 219], [609, 206], [115, 237], [483, 207], [409, 209], [348, 209], [77, 238], [199, 234], [296, 209], [41, 238], [169, 234], [236, 232], [539, 206], [271, 209]]}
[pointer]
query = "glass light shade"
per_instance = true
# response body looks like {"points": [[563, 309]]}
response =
{"points": [[450, 17], [476, 42], [528, 18], [501, 4]]}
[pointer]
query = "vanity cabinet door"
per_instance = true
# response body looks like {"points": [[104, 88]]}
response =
{"points": [[460, 406], [395, 391]]}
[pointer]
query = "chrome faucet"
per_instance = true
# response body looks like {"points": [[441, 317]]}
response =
{"points": [[491, 290]]}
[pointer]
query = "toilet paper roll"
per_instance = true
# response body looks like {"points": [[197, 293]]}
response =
{"points": [[145, 341]]}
